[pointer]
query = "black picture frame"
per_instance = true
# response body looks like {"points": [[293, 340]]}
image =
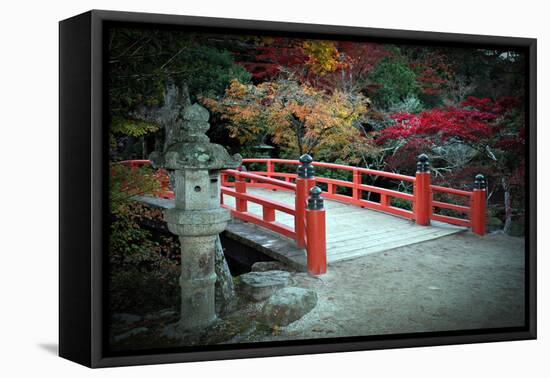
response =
{"points": [[83, 205]]}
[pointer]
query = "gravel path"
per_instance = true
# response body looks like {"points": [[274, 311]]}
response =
{"points": [[456, 282]]}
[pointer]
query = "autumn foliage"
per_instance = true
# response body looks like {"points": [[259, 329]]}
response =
{"points": [[365, 103], [297, 117], [466, 125]]}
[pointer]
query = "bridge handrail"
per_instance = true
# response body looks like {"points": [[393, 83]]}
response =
{"points": [[421, 199], [135, 163], [269, 206], [356, 185], [457, 192], [368, 171], [259, 178]]}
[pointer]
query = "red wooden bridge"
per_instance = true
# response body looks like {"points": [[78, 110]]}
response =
{"points": [[279, 210]]}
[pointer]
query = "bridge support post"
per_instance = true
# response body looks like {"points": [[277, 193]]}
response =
{"points": [[478, 206], [422, 192], [241, 205], [316, 234], [270, 168], [304, 182], [356, 193]]}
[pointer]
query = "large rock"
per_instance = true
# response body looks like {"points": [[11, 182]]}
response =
{"points": [[126, 318], [494, 224], [166, 313], [261, 285], [130, 333], [224, 291], [288, 305], [516, 228], [263, 266]]}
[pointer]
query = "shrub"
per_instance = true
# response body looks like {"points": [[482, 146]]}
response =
{"points": [[396, 81], [140, 278]]}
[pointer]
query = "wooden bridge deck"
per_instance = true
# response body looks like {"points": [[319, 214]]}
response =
{"points": [[351, 231]]}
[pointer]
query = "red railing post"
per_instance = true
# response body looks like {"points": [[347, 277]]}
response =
{"points": [[268, 214], [478, 206], [304, 182], [356, 182], [223, 182], [270, 168], [316, 234], [241, 205], [422, 191], [385, 200]]}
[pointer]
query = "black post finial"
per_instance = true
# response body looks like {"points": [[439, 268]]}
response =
{"points": [[423, 164], [479, 182], [315, 202], [305, 170]]}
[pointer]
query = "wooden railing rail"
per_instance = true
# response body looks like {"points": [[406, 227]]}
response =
{"points": [[422, 202], [269, 206], [309, 221]]}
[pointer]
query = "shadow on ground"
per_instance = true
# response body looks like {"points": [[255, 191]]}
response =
{"points": [[51, 348]]}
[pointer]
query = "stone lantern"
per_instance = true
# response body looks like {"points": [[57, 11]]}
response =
{"points": [[197, 218], [262, 149]]}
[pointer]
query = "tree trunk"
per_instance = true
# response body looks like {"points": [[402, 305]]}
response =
{"points": [[144, 153], [507, 205]]}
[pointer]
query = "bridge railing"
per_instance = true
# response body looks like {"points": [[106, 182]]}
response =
{"points": [[356, 186], [421, 199], [309, 229], [309, 220], [466, 222], [237, 189]]}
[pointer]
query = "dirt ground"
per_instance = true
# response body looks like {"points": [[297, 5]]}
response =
{"points": [[457, 282]]}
